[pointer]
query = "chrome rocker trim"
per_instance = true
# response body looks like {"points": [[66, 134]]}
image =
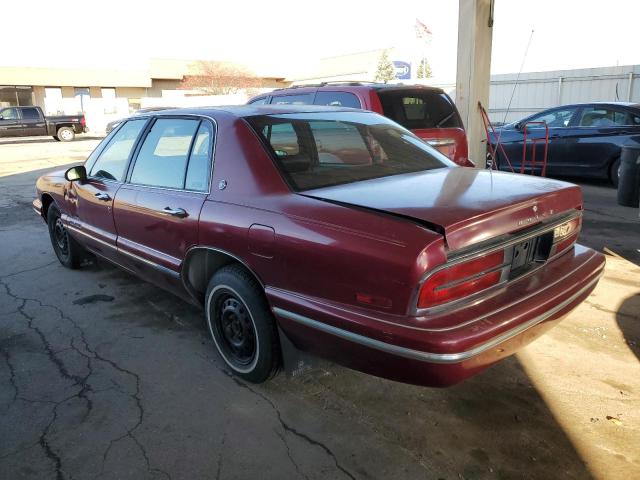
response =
{"points": [[427, 356]]}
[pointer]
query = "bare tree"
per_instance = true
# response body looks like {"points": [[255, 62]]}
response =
{"points": [[220, 78]]}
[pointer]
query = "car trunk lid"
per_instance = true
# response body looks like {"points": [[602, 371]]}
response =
{"points": [[467, 206]]}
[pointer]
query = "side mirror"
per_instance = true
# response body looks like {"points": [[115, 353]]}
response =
{"points": [[76, 173]]}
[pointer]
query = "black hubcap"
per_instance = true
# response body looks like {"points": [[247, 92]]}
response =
{"points": [[235, 329], [60, 237]]}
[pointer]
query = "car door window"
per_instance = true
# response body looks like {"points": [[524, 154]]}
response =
{"points": [[30, 114], [113, 160], [162, 160], [199, 169], [9, 114], [554, 118], [260, 101], [603, 117], [337, 99]]}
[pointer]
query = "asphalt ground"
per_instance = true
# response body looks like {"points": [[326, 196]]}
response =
{"points": [[105, 376]]}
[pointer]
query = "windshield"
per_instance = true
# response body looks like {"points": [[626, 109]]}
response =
{"points": [[314, 150]]}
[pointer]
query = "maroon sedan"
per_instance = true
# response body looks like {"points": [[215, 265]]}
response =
{"points": [[335, 227]]}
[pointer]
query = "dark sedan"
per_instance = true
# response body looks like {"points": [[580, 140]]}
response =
{"points": [[584, 139]]}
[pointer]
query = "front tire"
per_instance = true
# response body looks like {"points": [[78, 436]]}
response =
{"points": [[68, 251], [614, 172], [66, 134], [241, 324]]}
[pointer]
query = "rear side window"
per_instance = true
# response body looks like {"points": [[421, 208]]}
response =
{"points": [[603, 117], [113, 159], [300, 99], [162, 161], [30, 114], [260, 101], [343, 147], [337, 99], [199, 169], [420, 109]]}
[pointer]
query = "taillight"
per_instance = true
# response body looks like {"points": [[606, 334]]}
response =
{"points": [[461, 280], [565, 235], [83, 121], [446, 146]]}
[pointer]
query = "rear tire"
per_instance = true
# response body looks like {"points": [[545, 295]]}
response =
{"points": [[241, 324], [68, 251], [614, 172], [66, 134]]}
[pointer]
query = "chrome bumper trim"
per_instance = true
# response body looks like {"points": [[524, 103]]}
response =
{"points": [[427, 356]]}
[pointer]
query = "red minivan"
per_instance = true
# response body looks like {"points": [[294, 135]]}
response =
{"points": [[427, 111]]}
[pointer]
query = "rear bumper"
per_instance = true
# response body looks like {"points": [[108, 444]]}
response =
{"points": [[456, 345]]}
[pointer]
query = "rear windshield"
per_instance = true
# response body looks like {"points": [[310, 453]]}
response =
{"points": [[314, 150], [415, 109]]}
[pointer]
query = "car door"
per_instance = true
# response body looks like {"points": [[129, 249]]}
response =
{"points": [[156, 212], [10, 124], [33, 122], [559, 122], [595, 140], [90, 203]]}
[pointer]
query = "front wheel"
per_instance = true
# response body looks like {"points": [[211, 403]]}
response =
{"points": [[68, 251], [66, 134], [241, 324], [614, 172]]}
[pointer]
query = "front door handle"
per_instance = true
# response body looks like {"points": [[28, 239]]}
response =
{"points": [[175, 212], [103, 196]]}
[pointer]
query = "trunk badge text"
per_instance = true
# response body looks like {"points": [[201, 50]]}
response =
{"points": [[534, 218]]}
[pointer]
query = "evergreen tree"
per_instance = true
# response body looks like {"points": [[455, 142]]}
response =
{"points": [[424, 69], [386, 71]]}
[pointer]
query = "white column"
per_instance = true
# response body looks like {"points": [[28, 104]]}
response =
{"points": [[475, 32]]}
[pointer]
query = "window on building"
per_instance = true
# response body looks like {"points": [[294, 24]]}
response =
{"points": [[337, 99], [82, 97], [53, 101], [109, 101], [12, 96], [162, 160], [113, 159]]}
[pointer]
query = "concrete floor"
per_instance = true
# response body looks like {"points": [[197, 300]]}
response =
{"points": [[104, 376]]}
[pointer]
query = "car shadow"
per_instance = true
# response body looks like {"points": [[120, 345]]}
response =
{"points": [[628, 318], [33, 140]]}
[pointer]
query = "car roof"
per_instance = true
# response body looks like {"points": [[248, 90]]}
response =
{"points": [[251, 110], [347, 86]]}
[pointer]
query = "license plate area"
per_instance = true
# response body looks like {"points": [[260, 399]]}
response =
{"points": [[530, 253]]}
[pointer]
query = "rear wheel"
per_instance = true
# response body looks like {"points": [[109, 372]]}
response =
{"points": [[68, 251], [614, 172], [66, 134], [241, 324]]}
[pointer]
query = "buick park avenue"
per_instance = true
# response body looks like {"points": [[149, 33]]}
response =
{"points": [[334, 227]]}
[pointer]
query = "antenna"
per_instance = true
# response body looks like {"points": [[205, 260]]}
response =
{"points": [[504, 120]]}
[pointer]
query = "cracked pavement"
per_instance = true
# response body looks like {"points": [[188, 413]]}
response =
{"points": [[103, 376]]}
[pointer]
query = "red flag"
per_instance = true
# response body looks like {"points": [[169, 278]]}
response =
{"points": [[422, 31]]}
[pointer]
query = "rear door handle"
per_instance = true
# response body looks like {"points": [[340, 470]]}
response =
{"points": [[103, 196], [175, 212]]}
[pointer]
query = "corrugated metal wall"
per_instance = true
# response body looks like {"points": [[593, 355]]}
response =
{"points": [[540, 90]]}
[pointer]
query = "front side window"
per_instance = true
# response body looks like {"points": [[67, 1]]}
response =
{"points": [[30, 114], [337, 99], [9, 114], [113, 160], [162, 160], [300, 99], [343, 147], [553, 119], [603, 117]]}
